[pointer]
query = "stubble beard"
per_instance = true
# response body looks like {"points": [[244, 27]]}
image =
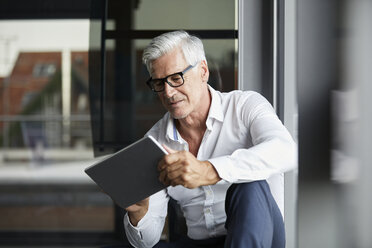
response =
{"points": [[174, 99]]}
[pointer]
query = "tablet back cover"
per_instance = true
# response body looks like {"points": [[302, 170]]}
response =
{"points": [[130, 175]]}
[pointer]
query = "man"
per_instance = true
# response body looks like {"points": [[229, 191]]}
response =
{"points": [[222, 148]]}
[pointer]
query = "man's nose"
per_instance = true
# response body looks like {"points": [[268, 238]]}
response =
{"points": [[168, 90]]}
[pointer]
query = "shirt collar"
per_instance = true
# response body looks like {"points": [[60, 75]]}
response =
{"points": [[171, 130], [215, 112]]}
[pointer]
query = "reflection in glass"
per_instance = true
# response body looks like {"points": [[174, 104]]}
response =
{"points": [[43, 186]]}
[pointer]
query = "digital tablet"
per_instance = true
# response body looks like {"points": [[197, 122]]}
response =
{"points": [[130, 175]]}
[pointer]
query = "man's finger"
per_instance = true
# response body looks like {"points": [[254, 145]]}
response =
{"points": [[161, 165], [179, 181], [174, 167], [174, 172], [170, 159], [162, 176], [166, 161]]}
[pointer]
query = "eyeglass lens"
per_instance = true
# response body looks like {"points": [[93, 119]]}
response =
{"points": [[174, 80]]}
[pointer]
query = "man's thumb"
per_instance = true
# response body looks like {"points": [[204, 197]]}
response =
{"points": [[169, 150]]}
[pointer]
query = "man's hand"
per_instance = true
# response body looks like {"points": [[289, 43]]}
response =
{"points": [[182, 168], [137, 211]]}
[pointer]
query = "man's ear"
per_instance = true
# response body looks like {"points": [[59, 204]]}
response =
{"points": [[204, 71]]}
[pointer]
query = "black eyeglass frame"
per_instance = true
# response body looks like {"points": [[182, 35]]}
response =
{"points": [[165, 79]]}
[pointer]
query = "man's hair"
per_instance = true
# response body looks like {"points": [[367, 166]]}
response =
{"points": [[191, 47]]}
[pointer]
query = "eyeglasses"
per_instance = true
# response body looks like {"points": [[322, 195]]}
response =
{"points": [[174, 80]]}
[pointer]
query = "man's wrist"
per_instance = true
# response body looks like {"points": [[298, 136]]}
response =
{"points": [[212, 176], [135, 217]]}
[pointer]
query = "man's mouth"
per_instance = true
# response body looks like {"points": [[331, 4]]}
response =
{"points": [[175, 102]]}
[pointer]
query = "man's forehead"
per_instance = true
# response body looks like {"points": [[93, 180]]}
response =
{"points": [[169, 63]]}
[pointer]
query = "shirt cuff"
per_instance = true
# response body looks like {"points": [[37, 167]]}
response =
{"points": [[224, 168], [142, 225], [133, 231]]}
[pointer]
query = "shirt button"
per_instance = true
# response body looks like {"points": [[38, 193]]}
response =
{"points": [[208, 211]]}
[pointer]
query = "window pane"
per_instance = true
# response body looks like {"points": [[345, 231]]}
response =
{"points": [[178, 14], [45, 132], [130, 108]]}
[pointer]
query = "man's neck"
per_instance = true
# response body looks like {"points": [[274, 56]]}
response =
{"points": [[190, 123], [197, 119], [193, 126], [192, 131]]}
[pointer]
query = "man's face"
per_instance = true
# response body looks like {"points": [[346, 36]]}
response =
{"points": [[184, 100]]}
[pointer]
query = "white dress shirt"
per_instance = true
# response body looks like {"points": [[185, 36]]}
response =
{"points": [[245, 141]]}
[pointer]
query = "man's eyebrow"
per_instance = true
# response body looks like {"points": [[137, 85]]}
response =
{"points": [[166, 76]]}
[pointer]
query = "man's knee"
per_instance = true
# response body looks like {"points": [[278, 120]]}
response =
{"points": [[252, 213], [253, 193]]}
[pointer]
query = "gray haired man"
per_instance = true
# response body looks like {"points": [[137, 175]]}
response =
{"points": [[225, 149]]}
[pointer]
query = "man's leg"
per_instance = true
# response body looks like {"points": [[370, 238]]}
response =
{"points": [[162, 244], [253, 217], [186, 242]]}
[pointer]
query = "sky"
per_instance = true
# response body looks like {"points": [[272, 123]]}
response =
{"points": [[40, 35]]}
